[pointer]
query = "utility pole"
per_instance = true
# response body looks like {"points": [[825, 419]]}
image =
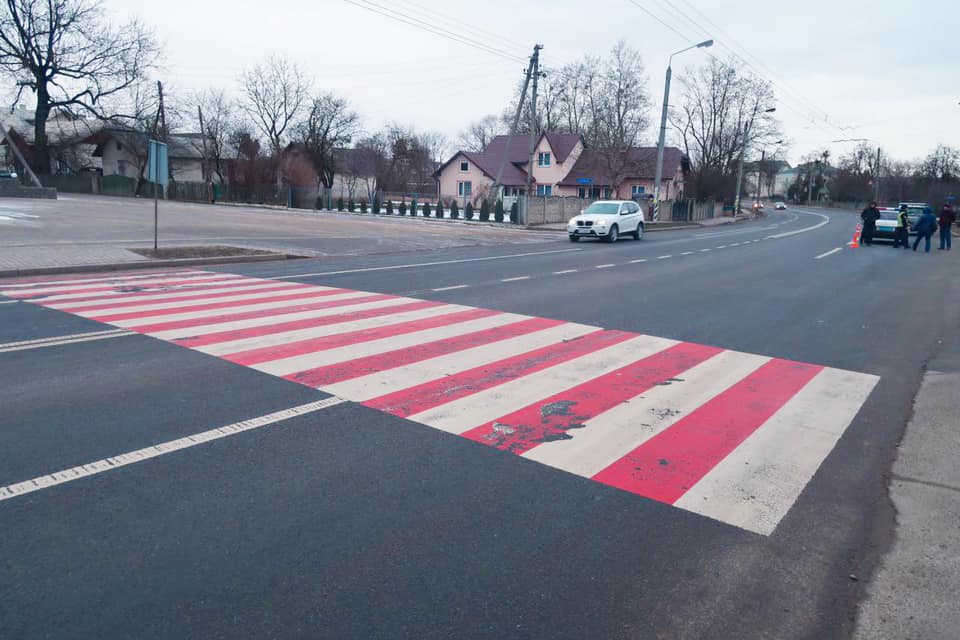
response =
{"points": [[743, 148], [876, 179], [513, 128], [205, 167], [533, 129], [763, 157]]}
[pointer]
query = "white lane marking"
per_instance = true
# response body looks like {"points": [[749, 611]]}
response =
{"points": [[456, 286], [57, 341], [828, 253], [124, 459], [723, 246], [687, 253], [476, 409], [604, 266], [705, 250], [560, 273], [735, 244], [614, 433], [322, 358], [638, 261], [424, 264], [259, 321], [664, 257], [826, 221], [9, 301], [381, 383], [308, 333], [755, 486], [517, 279]]}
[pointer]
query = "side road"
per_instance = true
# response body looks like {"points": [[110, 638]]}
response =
{"points": [[914, 592]]}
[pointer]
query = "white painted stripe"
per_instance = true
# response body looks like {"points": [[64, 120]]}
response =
{"points": [[723, 246], [826, 221], [363, 349], [604, 266], [275, 339], [124, 459], [42, 289], [68, 302], [114, 278], [687, 253], [755, 486], [246, 296], [262, 321], [456, 286], [63, 340], [828, 253], [560, 273], [615, 433], [426, 264], [9, 301], [638, 261], [664, 257], [735, 244], [705, 250], [466, 413], [262, 306], [518, 278], [392, 380]]}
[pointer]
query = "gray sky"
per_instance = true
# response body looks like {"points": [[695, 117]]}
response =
{"points": [[883, 69]]}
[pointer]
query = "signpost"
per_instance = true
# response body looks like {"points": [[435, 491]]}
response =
{"points": [[157, 174]]}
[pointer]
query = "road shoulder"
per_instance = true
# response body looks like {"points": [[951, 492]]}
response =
{"points": [[913, 593]]}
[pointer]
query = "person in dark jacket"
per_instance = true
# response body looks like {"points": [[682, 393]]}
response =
{"points": [[902, 234], [925, 227], [947, 218], [870, 215]]}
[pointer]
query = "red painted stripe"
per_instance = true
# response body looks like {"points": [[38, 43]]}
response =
{"points": [[125, 301], [553, 418], [669, 464], [322, 376], [120, 285], [301, 347], [428, 395], [253, 332], [162, 289], [262, 313], [303, 294]]}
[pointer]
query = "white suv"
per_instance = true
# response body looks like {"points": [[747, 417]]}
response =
{"points": [[608, 220]]}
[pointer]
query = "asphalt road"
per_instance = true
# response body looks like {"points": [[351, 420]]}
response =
{"points": [[346, 522]]}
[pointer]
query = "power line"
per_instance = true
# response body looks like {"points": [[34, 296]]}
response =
{"points": [[464, 26]]}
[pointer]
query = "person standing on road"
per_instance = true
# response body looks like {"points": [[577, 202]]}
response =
{"points": [[947, 218], [902, 235], [870, 215], [925, 227]]}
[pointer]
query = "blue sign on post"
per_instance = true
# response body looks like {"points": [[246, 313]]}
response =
{"points": [[157, 163], [584, 180]]}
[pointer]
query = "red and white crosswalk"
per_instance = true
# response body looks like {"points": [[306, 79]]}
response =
{"points": [[729, 435]]}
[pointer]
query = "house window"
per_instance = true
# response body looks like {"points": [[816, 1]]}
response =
{"points": [[119, 146], [581, 192], [464, 189], [607, 193], [464, 167], [637, 191], [122, 167], [543, 159], [544, 190]]}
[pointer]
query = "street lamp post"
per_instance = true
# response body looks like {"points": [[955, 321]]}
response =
{"points": [[663, 126], [743, 147]]}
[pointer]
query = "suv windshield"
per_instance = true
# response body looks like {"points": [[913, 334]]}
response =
{"points": [[606, 208]]}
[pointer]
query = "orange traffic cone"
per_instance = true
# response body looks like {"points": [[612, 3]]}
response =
{"points": [[855, 244]]}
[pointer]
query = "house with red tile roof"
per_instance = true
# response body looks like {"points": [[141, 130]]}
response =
{"points": [[563, 166]]}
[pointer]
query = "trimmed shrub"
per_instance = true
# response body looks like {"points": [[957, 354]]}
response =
{"points": [[339, 204], [514, 212], [468, 212], [454, 211], [498, 211], [363, 206], [439, 210], [484, 211], [403, 208], [426, 209], [375, 207], [389, 207], [413, 208], [351, 206]]}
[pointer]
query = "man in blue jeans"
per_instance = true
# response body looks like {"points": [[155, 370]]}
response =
{"points": [[947, 218], [925, 227]]}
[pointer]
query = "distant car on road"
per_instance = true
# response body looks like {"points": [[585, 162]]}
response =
{"points": [[607, 220], [914, 211], [780, 206], [887, 224], [8, 174]]}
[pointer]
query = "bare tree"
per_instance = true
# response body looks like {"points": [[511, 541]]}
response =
{"points": [[219, 123], [479, 134], [275, 93], [942, 164], [329, 124], [71, 57]]}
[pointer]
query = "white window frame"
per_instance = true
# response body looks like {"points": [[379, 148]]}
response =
{"points": [[465, 189], [638, 190], [545, 190], [544, 155]]}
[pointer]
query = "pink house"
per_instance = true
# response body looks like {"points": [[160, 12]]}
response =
{"points": [[562, 167]]}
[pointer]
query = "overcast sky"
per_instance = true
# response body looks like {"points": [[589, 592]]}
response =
{"points": [[886, 70]]}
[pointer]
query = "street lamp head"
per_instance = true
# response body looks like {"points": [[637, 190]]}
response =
{"points": [[770, 110], [705, 43]]}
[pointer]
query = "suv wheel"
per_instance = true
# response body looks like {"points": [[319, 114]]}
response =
{"points": [[613, 234], [638, 234]]}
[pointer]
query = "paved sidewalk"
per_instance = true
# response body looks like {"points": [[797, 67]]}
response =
{"points": [[22, 258], [914, 593]]}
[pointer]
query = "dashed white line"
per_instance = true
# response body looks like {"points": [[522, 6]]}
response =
{"points": [[705, 250], [687, 253], [604, 266], [9, 301], [124, 459], [560, 273], [828, 253], [735, 244], [518, 278], [638, 261], [664, 257], [456, 286], [723, 246]]}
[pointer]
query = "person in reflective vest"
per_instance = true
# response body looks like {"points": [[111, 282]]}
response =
{"points": [[902, 234]]}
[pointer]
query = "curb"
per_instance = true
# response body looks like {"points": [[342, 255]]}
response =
{"points": [[146, 264]]}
